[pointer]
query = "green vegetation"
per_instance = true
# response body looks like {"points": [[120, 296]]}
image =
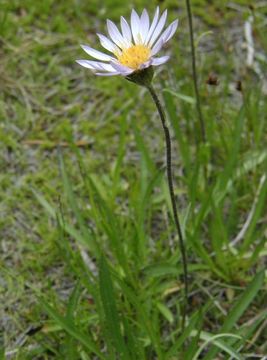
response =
{"points": [[90, 264]]}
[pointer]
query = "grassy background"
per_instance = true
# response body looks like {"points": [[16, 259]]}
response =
{"points": [[82, 162]]}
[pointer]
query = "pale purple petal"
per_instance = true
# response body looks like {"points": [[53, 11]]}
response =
{"points": [[108, 44], [144, 25], [85, 63], [158, 28], [126, 30], [135, 26], [146, 64], [166, 35], [173, 27], [115, 35], [153, 25], [102, 66], [95, 65], [96, 54], [160, 60], [121, 68], [157, 47]]}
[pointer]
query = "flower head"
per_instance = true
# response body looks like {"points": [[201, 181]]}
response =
{"points": [[133, 48]]}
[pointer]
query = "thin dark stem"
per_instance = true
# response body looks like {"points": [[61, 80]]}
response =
{"points": [[194, 69], [174, 207]]}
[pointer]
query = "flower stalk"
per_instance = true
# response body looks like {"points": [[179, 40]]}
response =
{"points": [[194, 71], [172, 196]]}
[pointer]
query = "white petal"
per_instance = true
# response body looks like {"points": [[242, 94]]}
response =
{"points": [[166, 35], [108, 44], [160, 60], [85, 63], [158, 28], [95, 65], [126, 30], [116, 35], [169, 32], [105, 69], [144, 25], [153, 25], [96, 54], [135, 26], [121, 68], [157, 47], [173, 27], [102, 66]]}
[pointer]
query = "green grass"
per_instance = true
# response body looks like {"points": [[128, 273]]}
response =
{"points": [[90, 263]]}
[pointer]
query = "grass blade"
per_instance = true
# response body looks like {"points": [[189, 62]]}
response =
{"points": [[70, 328], [66, 227], [194, 322], [110, 310], [87, 235], [214, 339], [239, 308]]}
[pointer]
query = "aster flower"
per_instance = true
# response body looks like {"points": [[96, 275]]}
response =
{"points": [[133, 48]]}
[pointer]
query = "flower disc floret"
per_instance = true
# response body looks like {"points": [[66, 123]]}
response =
{"points": [[134, 56]]}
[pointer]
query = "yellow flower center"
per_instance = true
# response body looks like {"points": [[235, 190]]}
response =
{"points": [[134, 56]]}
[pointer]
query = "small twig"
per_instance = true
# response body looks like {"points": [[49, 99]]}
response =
{"points": [[51, 144]]}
